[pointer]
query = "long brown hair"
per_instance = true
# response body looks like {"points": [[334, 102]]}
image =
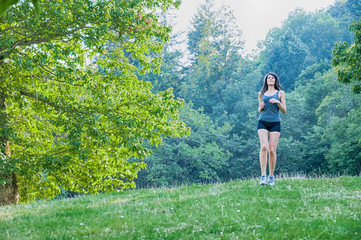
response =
{"points": [[265, 86]]}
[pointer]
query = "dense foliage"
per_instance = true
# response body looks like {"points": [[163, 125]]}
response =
{"points": [[83, 125], [6, 4], [321, 130], [347, 59], [70, 124]]}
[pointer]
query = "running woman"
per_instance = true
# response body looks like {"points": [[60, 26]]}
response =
{"points": [[271, 100]]}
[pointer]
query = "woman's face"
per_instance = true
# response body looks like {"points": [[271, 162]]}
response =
{"points": [[271, 80]]}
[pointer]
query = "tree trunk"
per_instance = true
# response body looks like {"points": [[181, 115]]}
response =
{"points": [[9, 191]]}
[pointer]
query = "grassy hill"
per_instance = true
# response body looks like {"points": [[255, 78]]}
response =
{"points": [[324, 208]]}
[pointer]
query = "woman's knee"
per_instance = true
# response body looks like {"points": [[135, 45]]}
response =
{"points": [[272, 151], [264, 148]]}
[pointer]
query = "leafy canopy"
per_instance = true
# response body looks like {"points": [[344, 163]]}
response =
{"points": [[347, 59], [72, 124], [5, 4]]}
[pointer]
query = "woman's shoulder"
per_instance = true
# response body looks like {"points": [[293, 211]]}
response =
{"points": [[281, 93]]}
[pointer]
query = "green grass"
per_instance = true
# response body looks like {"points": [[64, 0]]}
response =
{"points": [[324, 208]]}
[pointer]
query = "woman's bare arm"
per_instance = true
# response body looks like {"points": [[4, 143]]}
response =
{"points": [[261, 103]]}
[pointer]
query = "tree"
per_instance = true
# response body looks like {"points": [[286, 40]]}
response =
{"points": [[300, 144], [5, 4], [286, 56], [65, 123], [200, 157], [304, 39], [340, 114], [214, 43], [347, 60], [354, 8], [171, 70]]}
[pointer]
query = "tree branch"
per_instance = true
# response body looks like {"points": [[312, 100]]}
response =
{"points": [[11, 28], [42, 67], [47, 102]]}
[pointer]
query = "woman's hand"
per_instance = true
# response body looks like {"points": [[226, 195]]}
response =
{"points": [[281, 104], [261, 106], [273, 100]]}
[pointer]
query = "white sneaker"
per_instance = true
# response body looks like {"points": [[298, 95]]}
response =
{"points": [[271, 180], [263, 180]]}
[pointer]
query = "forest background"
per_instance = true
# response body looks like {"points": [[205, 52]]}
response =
{"points": [[321, 129], [73, 125]]}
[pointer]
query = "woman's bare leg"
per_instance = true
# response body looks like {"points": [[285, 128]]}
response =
{"points": [[273, 141], [263, 139]]}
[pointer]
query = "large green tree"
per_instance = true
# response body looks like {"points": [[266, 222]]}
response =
{"points": [[66, 123], [214, 43], [347, 60], [303, 40]]}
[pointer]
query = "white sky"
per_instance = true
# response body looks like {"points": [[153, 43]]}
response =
{"points": [[254, 17]]}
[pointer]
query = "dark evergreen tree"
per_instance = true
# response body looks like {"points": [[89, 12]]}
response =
{"points": [[214, 43]]}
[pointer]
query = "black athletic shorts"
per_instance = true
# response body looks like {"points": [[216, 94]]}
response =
{"points": [[269, 126]]}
